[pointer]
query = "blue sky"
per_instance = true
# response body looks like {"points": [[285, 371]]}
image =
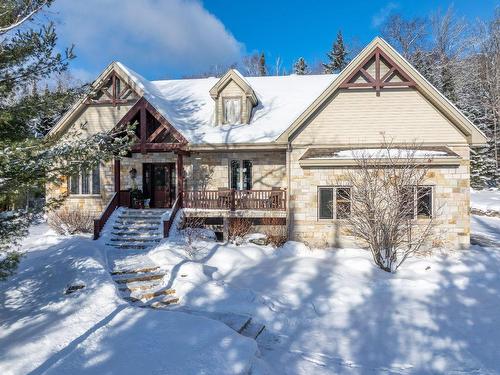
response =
{"points": [[172, 38]]}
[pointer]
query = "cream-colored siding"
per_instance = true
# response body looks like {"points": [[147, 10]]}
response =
{"points": [[356, 116], [232, 90], [97, 118]]}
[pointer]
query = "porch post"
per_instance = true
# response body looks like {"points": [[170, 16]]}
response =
{"points": [[142, 124], [117, 175], [180, 177]]}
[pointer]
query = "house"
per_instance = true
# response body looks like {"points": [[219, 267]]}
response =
{"points": [[272, 146]]}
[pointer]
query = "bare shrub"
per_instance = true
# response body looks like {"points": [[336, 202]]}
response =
{"points": [[238, 228], [68, 222], [385, 186], [275, 232], [191, 227]]}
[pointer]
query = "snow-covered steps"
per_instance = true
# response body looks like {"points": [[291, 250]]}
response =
{"points": [[243, 324], [139, 270], [165, 302], [252, 329], [137, 229], [132, 278]]}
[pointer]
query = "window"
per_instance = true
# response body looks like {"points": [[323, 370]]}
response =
{"points": [[241, 175], [418, 201], [85, 183], [334, 202], [232, 110]]}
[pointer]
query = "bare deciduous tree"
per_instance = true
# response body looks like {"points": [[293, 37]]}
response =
{"points": [[388, 193]]}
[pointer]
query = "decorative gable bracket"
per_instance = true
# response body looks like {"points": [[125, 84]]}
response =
{"points": [[114, 91], [154, 133], [377, 71]]}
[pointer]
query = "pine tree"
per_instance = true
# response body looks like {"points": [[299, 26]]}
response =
{"points": [[28, 160], [262, 65], [337, 57], [300, 67]]}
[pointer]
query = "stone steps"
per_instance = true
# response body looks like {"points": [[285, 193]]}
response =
{"points": [[128, 246], [252, 329], [139, 277], [134, 271], [136, 239], [163, 303]]}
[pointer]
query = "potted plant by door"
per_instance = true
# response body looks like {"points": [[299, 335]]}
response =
{"points": [[136, 196]]}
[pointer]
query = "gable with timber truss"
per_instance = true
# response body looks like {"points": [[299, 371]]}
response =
{"points": [[381, 95], [153, 132], [378, 71], [113, 90]]}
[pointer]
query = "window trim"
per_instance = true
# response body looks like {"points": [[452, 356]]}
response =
{"points": [[240, 177], [224, 98], [334, 198], [79, 194], [416, 216]]}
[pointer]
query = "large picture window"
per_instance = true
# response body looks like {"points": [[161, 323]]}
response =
{"points": [[85, 183], [232, 110], [241, 175], [334, 202]]}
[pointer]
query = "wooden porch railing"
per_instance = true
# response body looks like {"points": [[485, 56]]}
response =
{"points": [[121, 198], [271, 200], [167, 224]]}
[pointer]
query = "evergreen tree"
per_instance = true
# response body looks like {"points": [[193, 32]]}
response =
{"points": [[28, 161], [262, 65], [337, 57], [300, 67]]}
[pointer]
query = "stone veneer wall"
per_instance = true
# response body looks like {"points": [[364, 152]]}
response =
{"points": [[209, 170], [94, 204], [451, 202]]}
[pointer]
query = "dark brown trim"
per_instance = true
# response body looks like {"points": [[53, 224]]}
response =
{"points": [[145, 145], [142, 124], [180, 177], [378, 82], [117, 175]]}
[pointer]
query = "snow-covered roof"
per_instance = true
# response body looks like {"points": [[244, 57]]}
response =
{"points": [[187, 105], [344, 156]]}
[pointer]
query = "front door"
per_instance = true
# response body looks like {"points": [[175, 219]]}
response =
{"points": [[159, 184]]}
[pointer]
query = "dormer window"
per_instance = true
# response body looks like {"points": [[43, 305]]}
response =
{"points": [[234, 99], [232, 110]]}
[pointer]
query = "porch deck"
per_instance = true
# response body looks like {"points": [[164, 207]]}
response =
{"points": [[233, 200]]}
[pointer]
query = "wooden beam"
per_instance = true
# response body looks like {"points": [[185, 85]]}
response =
{"points": [[142, 123], [180, 176], [377, 72], [156, 133], [158, 147], [113, 88], [117, 175]]}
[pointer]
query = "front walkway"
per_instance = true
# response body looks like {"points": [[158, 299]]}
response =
{"points": [[141, 281]]}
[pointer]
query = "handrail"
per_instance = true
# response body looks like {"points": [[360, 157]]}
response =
{"points": [[231, 199], [110, 208], [167, 224]]}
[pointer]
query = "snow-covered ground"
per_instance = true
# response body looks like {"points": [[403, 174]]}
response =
{"points": [[326, 312], [94, 331], [486, 200]]}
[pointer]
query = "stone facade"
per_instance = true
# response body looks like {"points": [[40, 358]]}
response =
{"points": [[207, 170], [451, 201]]}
